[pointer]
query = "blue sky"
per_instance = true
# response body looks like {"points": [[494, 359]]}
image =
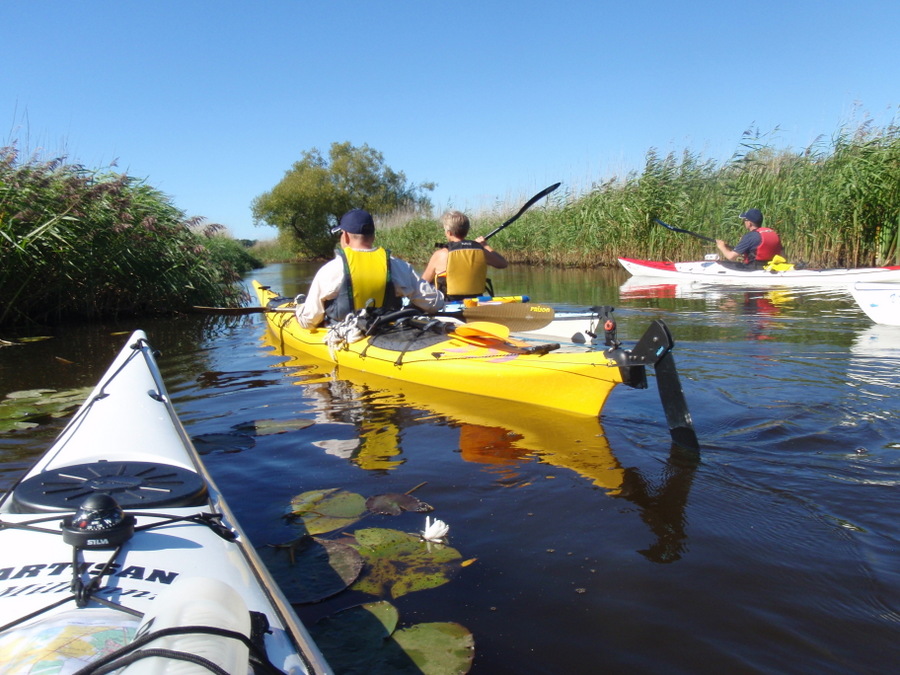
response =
{"points": [[212, 102]]}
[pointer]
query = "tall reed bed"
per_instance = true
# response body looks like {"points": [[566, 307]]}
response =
{"points": [[835, 204], [83, 244]]}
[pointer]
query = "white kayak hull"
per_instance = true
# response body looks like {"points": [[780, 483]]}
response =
{"points": [[711, 271], [880, 301], [126, 441], [580, 328]]}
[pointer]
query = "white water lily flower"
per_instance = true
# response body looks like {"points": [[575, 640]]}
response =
{"points": [[434, 530]]}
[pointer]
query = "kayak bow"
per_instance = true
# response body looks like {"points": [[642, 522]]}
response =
{"points": [[119, 530]]}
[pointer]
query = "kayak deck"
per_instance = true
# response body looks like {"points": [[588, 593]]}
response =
{"points": [[72, 573]]}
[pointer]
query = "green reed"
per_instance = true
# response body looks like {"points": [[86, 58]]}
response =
{"points": [[83, 244], [835, 204]]}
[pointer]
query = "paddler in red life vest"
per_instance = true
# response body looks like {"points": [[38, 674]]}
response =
{"points": [[361, 275], [460, 269], [758, 246]]}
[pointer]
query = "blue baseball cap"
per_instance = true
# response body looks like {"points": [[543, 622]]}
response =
{"points": [[753, 215], [356, 221]]}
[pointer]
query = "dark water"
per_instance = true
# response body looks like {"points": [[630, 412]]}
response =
{"points": [[597, 547]]}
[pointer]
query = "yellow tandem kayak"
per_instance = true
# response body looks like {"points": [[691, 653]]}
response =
{"points": [[480, 358]]}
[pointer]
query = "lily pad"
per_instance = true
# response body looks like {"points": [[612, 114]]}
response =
{"points": [[226, 443], [362, 639], [393, 504], [398, 563], [327, 510], [310, 570], [33, 407], [437, 648]]}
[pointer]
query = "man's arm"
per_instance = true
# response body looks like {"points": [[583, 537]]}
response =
{"points": [[325, 286], [491, 257], [726, 250]]}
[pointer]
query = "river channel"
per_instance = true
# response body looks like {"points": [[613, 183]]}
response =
{"points": [[593, 545]]}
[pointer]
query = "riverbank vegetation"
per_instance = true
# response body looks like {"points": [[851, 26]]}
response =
{"points": [[835, 204], [95, 244]]}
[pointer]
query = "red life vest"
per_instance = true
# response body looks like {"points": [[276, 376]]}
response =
{"points": [[770, 245]]}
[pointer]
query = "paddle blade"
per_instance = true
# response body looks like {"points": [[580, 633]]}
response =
{"points": [[481, 329], [518, 317]]}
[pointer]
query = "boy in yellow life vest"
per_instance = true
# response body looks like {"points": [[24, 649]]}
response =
{"points": [[363, 274], [460, 269]]}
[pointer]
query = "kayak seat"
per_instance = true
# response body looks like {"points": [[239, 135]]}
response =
{"points": [[134, 485]]}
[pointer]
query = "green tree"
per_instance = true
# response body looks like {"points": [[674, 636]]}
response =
{"points": [[313, 194]]}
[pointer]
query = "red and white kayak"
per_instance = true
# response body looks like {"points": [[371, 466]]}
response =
{"points": [[713, 271], [880, 301]]}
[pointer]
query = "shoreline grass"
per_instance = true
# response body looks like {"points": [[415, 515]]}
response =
{"points": [[835, 204], [82, 245]]}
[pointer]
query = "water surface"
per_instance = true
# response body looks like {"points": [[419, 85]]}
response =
{"points": [[598, 547]]}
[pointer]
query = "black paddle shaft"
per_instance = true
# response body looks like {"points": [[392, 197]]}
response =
{"points": [[679, 229]]}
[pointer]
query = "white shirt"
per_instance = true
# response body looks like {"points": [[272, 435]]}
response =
{"points": [[327, 283]]}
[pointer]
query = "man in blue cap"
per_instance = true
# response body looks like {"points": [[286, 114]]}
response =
{"points": [[363, 275], [758, 246]]}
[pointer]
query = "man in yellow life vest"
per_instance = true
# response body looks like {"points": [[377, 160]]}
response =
{"points": [[460, 269], [363, 274]]}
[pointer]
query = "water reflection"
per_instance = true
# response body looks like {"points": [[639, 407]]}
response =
{"points": [[875, 359], [499, 435], [757, 309]]}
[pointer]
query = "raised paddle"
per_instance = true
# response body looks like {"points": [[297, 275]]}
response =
{"points": [[516, 316], [683, 231], [531, 202]]}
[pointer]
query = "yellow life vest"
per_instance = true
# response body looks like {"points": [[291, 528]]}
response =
{"points": [[778, 264], [367, 282], [466, 269]]}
